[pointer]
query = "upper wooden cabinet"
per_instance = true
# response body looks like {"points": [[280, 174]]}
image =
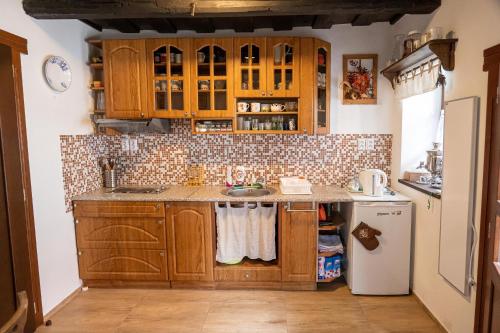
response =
{"points": [[168, 77], [125, 79], [283, 67], [190, 241], [250, 67], [212, 78]]}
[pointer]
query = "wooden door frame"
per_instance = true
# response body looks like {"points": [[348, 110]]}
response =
{"points": [[492, 66], [18, 187]]}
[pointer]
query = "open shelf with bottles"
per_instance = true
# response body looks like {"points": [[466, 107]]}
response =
{"points": [[212, 126]]}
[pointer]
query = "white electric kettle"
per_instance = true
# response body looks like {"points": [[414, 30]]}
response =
{"points": [[373, 181]]}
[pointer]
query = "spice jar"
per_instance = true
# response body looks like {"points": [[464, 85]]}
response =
{"points": [[415, 36]]}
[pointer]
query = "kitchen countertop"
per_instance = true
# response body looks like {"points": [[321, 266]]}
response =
{"points": [[211, 193]]}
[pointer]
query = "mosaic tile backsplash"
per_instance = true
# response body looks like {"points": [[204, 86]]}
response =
{"points": [[164, 159]]}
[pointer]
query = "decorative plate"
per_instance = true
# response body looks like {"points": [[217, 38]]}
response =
{"points": [[57, 73]]}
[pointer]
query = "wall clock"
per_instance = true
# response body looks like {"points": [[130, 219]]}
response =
{"points": [[57, 73]]}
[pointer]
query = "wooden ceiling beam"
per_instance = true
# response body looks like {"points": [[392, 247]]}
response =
{"points": [[126, 26], [115, 9], [92, 24], [323, 22], [164, 26]]}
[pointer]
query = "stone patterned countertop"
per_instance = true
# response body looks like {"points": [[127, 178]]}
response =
{"points": [[209, 193]]}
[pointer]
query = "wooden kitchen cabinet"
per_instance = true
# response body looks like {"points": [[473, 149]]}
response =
{"points": [[190, 241], [121, 241], [125, 79], [212, 78], [314, 102], [283, 67], [250, 67], [168, 77], [299, 242], [122, 264]]}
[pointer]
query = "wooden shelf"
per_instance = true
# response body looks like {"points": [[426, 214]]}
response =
{"points": [[96, 65], [337, 222], [266, 132], [98, 88], [443, 49], [266, 113], [328, 280], [328, 254], [95, 42], [249, 263]]}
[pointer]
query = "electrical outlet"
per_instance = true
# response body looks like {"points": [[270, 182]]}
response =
{"points": [[133, 145], [125, 144], [361, 144], [370, 144]]}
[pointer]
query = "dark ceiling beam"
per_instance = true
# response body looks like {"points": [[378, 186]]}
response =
{"points": [[323, 22], [164, 26], [395, 18], [243, 24], [282, 23], [126, 26], [92, 24], [114, 9]]}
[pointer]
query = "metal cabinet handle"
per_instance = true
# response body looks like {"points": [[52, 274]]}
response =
{"points": [[270, 93], [288, 209], [304, 130], [263, 93], [79, 253], [160, 221], [142, 114], [193, 114], [162, 254], [76, 222], [158, 206], [167, 206], [247, 275]]}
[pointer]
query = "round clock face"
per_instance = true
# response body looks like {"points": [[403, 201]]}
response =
{"points": [[57, 73]]}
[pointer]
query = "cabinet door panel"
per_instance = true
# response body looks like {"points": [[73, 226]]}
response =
{"points": [[299, 238], [168, 77], [212, 87], [118, 209], [138, 233], [283, 67], [250, 67], [190, 242], [122, 264], [125, 78]]}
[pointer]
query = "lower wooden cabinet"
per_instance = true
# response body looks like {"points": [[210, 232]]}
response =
{"points": [[299, 242], [122, 264], [190, 241]]}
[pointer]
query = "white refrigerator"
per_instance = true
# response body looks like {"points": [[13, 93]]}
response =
{"points": [[385, 270]]}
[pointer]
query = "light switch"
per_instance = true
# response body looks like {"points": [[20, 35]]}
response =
{"points": [[361, 144], [125, 144], [370, 144], [133, 145]]}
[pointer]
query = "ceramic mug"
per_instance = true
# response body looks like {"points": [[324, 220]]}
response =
{"points": [[201, 57], [277, 107], [265, 107], [291, 106], [178, 58], [243, 106], [255, 107]]}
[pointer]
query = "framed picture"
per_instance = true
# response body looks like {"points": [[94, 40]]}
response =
{"points": [[359, 85]]}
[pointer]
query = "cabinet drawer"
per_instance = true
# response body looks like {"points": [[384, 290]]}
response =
{"points": [[118, 209], [241, 274], [122, 264], [123, 232]]}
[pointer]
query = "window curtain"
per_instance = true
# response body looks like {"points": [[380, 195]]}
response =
{"points": [[419, 80]]}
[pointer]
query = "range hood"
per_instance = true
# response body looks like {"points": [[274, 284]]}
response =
{"points": [[154, 125]]}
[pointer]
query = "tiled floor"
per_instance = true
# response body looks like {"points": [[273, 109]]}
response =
{"points": [[229, 311]]}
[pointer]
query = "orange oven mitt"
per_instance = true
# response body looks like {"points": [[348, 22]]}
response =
{"points": [[366, 235]]}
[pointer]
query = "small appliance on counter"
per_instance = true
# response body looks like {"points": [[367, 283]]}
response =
{"points": [[373, 181], [435, 164], [109, 173], [295, 185]]}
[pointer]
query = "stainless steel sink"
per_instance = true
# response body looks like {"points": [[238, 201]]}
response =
{"points": [[141, 190], [248, 192]]}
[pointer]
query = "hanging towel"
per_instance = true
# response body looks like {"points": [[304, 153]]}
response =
{"points": [[260, 232], [231, 233]]}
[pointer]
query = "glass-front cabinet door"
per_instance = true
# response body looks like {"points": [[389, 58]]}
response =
{"points": [[283, 67], [168, 77], [250, 67], [212, 79], [322, 67]]}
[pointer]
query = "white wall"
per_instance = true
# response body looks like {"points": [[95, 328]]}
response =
{"points": [[48, 115], [345, 39], [476, 26]]}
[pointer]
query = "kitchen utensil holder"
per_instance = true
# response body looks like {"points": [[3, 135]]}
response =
{"points": [[109, 178]]}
